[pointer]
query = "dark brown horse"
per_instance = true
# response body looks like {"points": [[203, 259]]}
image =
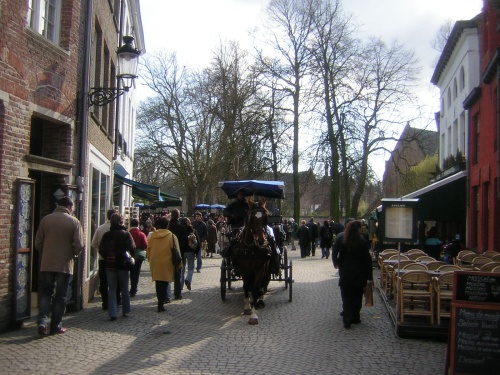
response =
{"points": [[251, 255]]}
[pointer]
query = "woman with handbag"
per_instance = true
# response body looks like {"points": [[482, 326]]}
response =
{"points": [[164, 258], [189, 254], [116, 247], [141, 243]]}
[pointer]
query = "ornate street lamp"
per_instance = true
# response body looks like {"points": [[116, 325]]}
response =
{"points": [[128, 62]]}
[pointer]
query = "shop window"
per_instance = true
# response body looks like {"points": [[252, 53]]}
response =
{"points": [[99, 194]]}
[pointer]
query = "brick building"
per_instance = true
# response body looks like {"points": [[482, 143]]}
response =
{"points": [[412, 147], [484, 159], [51, 141]]}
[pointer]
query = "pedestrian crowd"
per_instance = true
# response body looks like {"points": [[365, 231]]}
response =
{"points": [[174, 247]]}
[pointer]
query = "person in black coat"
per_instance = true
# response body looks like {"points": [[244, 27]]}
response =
{"points": [[351, 256], [313, 232], [326, 239], [304, 239], [236, 211], [182, 236], [117, 247]]}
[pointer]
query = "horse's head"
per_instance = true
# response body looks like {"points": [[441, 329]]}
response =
{"points": [[255, 224]]}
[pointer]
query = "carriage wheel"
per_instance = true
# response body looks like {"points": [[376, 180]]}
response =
{"points": [[285, 266], [290, 283], [223, 279]]}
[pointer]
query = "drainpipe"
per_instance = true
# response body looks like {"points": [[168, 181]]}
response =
{"points": [[117, 112], [84, 115], [498, 132], [84, 108]]}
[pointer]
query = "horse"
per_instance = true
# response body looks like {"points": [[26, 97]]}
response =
{"points": [[250, 256]]}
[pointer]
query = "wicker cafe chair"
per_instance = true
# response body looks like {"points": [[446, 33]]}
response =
{"points": [[443, 288], [432, 266], [496, 269], [479, 261], [449, 267], [488, 267], [461, 253], [496, 258], [426, 259], [386, 254], [415, 295], [415, 256], [465, 261], [407, 265], [415, 251], [489, 254], [385, 268], [391, 277], [415, 266]]}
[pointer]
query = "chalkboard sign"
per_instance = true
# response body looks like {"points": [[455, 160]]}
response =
{"points": [[476, 287], [475, 335], [474, 340]]}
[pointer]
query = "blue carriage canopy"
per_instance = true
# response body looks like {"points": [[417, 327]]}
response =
{"points": [[268, 189], [204, 206]]}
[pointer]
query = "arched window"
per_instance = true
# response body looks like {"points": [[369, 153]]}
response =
{"points": [[455, 89], [449, 97]]}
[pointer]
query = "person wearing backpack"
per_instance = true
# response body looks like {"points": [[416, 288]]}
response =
{"points": [[326, 239]]}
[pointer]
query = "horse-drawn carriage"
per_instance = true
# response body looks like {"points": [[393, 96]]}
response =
{"points": [[255, 257]]}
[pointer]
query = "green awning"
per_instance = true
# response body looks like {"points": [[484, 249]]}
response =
{"points": [[149, 193], [443, 200]]}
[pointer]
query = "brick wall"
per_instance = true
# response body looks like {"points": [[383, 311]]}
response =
{"points": [[34, 73]]}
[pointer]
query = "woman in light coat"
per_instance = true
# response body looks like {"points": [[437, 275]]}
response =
{"points": [[160, 257]]}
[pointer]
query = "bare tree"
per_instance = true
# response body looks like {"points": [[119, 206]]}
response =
{"points": [[288, 32], [442, 36], [336, 55], [203, 127], [387, 83], [364, 91]]}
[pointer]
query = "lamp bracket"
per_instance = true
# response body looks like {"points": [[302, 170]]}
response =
{"points": [[102, 96]]}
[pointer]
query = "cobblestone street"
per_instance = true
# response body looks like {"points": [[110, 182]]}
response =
{"points": [[201, 334]]}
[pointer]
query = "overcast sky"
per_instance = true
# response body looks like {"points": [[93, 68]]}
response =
{"points": [[194, 28]]}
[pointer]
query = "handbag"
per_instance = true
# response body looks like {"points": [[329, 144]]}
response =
{"points": [[129, 261], [176, 256], [193, 243], [140, 254], [368, 292]]}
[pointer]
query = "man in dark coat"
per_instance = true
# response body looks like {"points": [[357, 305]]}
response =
{"points": [[304, 239], [58, 239], [182, 236], [313, 232], [236, 211]]}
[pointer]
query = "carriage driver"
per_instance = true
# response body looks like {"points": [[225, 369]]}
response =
{"points": [[237, 211]]}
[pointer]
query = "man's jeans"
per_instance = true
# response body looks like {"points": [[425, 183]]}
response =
{"points": [[188, 260], [53, 297], [177, 286], [134, 276], [103, 285], [199, 261], [115, 278]]}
